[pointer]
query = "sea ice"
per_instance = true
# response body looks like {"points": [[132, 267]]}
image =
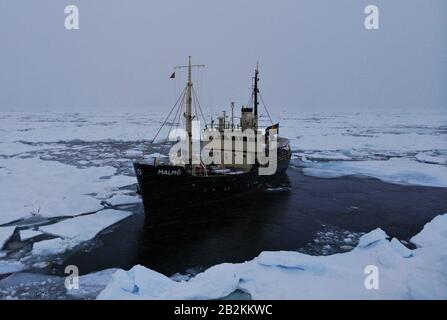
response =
{"points": [[74, 231], [10, 266], [92, 284], [50, 189], [51, 247], [5, 234], [395, 170], [291, 275], [371, 238], [134, 153], [121, 199], [400, 248], [434, 233], [429, 157], [327, 143], [29, 234], [291, 260], [89, 126], [14, 148]]}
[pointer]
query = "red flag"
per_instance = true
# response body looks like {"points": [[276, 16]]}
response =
{"points": [[172, 75]]}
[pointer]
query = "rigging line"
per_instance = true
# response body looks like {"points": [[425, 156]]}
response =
{"points": [[178, 121], [197, 104], [200, 108], [166, 119], [195, 109], [203, 115], [182, 103], [180, 106], [250, 101], [194, 102], [265, 107]]}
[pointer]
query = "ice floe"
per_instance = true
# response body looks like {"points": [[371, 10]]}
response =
{"points": [[134, 153], [431, 157], [5, 234], [372, 238], [29, 234], [92, 284], [367, 131], [403, 273], [88, 126], [333, 145], [400, 248], [14, 148], [121, 199], [51, 247], [394, 170], [434, 233], [74, 231], [10, 266], [24, 285], [50, 189]]}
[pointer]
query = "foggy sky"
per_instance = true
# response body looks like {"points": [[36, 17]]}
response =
{"points": [[313, 54]]}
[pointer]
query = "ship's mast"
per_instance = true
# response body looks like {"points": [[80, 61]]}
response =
{"points": [[188, 114], [232, 116], [255, 96]]}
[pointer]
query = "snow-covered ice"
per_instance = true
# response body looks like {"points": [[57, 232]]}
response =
{"points": [[51, 247], [399, 131], [51, 189], [92, 284], [5, 234], [88, 126], [372, 237], [29, 234], [74, 231], [400, 248], [134, 153], [155, 155], [68, 164], [16, 148], [121, 199], [56, 165], [87, 226], [10, 266], [430, 157], [434, 233], [333, 145], [403, 273], [394, 170]]}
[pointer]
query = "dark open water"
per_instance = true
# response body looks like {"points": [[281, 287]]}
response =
{"points": [[287, 219]]}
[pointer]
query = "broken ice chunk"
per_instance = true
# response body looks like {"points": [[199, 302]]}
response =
{"points": [[5, 234], [433, 233], [76, 230], [400, 248], [372, 237], [29, 234], [292, 260]]}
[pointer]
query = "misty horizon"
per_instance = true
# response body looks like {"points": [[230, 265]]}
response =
{"points": [[313, 55]]}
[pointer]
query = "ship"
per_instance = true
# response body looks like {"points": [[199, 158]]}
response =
{"points": [[216, 163]]}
